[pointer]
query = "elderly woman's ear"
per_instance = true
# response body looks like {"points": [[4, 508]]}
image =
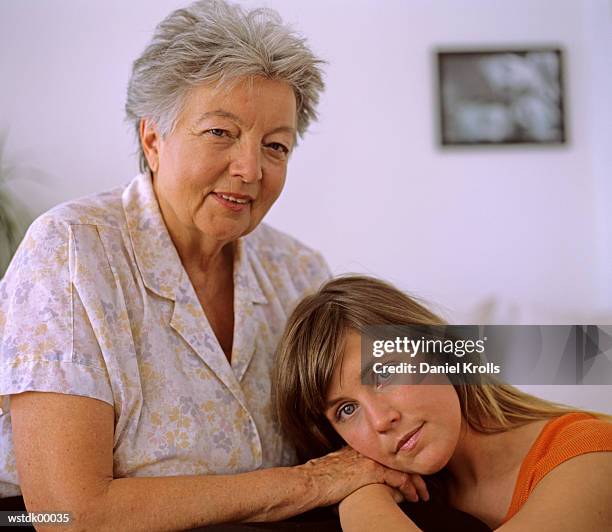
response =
{"points": [[149, 140]]}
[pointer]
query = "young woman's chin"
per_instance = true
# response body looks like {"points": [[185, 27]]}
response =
{"points": [[427, 462]]}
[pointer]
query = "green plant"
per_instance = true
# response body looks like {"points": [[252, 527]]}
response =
{"points": [[14, 217]]}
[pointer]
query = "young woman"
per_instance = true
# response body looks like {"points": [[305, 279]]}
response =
{"points": [[514, 461]]}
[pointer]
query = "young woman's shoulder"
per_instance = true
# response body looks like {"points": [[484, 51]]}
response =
{"points": [[562, 439], [568, 436]]}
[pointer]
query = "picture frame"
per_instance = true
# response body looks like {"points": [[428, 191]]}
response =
{"points": [[501, 96]]}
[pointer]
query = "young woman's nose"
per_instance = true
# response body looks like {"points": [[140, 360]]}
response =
{"points": [[383, 415], [246, 162]]}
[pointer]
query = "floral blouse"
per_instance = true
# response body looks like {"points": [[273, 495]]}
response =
{"points": [[97, 303]]}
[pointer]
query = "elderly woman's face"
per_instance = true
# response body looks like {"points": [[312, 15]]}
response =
{"points": [[221, 169]]}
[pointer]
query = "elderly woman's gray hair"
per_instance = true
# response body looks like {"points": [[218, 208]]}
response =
{"points": [[212, 41]]}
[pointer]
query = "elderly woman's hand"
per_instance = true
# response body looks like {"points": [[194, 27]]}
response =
{"points": [[338, 474]]}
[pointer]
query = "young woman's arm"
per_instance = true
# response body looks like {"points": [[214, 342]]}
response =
{"points": [[374, 507], [64, 452], [574, 496]]}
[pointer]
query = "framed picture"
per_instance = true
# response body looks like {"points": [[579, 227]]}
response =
{"points": [[501, 97]]}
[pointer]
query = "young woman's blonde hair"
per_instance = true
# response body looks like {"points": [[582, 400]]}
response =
{"points": [[312, 346]]}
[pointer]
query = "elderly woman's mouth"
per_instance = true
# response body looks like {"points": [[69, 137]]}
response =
{"points": [[234, 202]]}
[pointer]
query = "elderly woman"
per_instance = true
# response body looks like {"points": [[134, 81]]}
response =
{"points": [[137, 326]]}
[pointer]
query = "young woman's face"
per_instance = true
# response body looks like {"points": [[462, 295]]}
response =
{"points": [[411, 428]]}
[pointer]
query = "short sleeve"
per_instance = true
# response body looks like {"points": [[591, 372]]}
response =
{"points": [[47, 342]]}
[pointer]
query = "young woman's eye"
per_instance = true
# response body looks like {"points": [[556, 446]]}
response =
{"points": [[380, 379], [386, 376], [345, 411]]}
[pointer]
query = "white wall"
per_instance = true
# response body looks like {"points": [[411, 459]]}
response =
{"points": [[368, 186], [455, 225], [597, 26]]}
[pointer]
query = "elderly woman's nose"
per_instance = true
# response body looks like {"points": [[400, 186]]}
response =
{"points": [[246, 163]]}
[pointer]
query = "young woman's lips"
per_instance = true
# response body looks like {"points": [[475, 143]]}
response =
{"points": [[409, 441], [232, 205]]}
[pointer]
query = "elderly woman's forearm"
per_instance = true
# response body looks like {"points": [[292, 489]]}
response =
{"points": [[178, 503]]}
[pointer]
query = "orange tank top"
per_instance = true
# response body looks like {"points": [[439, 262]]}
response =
{"points": [[561, 438]]}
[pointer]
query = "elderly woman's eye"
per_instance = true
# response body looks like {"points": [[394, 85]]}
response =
{"points": [[345, 410], [277, 146], [216, 132]]}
